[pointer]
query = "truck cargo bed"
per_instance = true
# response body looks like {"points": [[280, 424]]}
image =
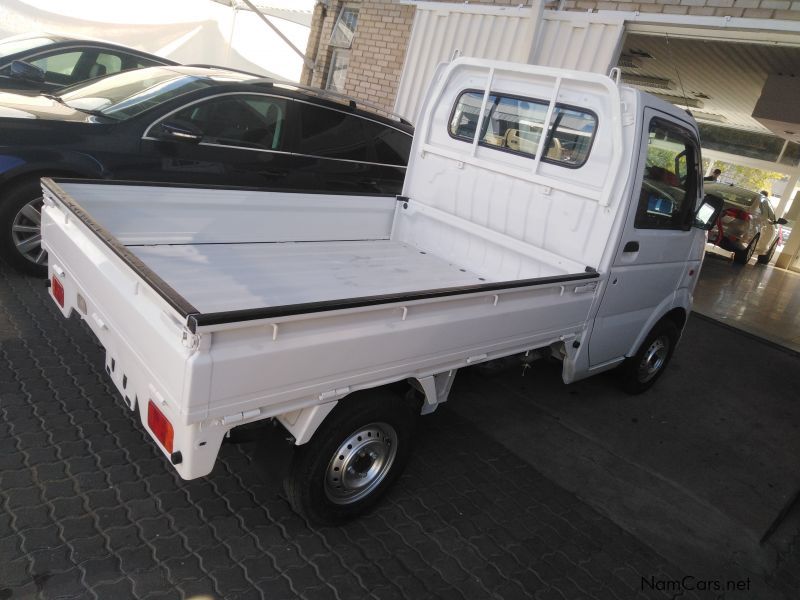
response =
{"points": [[231, 277]]}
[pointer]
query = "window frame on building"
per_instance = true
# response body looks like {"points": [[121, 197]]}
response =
{"points": [[341, 40]]}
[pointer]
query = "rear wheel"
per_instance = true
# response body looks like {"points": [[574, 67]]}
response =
{"points": [[765, 258], [20, 228], [743, 257], [639, 372], [353, 458]]}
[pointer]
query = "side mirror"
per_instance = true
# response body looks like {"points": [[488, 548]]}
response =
{"points": [[706, 216], [781, 221], [26, 71], [179, 131]]}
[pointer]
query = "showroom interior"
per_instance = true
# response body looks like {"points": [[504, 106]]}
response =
{"points": [[518, 486]]}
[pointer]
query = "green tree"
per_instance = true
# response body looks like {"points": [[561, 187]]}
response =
{"points": [[746, 177]]}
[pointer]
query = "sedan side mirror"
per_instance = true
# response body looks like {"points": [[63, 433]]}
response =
{"points": [[706, 216], [781, 221], [179, 131], [26, 71]]}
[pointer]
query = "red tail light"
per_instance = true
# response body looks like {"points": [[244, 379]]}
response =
{"points": [[737, 213], [58, 290], [160, 426]]}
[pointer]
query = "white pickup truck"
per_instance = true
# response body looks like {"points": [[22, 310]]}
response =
{"points": [[545, 212]]}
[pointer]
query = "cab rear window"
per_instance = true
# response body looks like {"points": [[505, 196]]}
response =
{"points": [[516, 125]]}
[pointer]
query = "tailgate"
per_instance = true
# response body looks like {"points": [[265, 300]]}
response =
{"points": [[146, 343]]}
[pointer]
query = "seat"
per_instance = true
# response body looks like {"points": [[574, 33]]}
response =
{"points": [[554, 152], [97, 70], [528, 143]]}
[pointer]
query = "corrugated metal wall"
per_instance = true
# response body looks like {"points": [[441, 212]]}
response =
{"points": [[582, 41], [587, 42], [441, 30]]}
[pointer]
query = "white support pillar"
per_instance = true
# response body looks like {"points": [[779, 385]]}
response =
{"points": [[792, 246], [788, 192]]}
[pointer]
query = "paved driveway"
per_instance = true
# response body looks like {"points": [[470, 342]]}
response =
{"points": [[92, 510]]}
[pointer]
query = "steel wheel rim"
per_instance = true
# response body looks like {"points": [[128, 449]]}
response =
{"points": [[26, 232], [361, 463], [654, 358]]}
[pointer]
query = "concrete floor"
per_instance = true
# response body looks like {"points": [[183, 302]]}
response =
{"points": [[704, 467], [759, 299]]}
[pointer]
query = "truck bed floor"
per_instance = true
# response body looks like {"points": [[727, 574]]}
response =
{"points": [[226, 277]]}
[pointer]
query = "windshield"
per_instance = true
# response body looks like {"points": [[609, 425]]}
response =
{"points": [[127, 94], [13, 45]]}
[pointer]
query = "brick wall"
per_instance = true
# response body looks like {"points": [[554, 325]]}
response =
{"points": [[377, 53], [384, 27]]}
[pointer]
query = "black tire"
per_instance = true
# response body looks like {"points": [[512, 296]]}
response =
{"points": [[640, 372], [19, 242], [763, 259], [367, 439], [742, 257]]}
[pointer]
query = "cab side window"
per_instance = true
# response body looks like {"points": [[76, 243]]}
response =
{"points": [[669, 183]]}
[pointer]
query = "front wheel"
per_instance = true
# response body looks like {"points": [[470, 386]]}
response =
{"points": [[20, 228], [353, 458], [639, 372]]}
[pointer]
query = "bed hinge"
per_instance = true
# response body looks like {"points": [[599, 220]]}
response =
{"points": [[334, 394], [190, 341], [242, 416]]}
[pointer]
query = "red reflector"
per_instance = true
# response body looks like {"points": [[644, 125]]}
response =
{"points": [[160, 427], [58, 291]]}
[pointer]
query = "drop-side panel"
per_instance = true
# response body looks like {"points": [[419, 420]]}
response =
{"points": [[299, 360]]}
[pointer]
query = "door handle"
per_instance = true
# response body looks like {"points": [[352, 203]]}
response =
{"points": [[631, 247]]}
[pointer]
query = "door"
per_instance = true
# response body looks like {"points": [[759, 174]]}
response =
{"points": [[660, 251], [242, 143]]}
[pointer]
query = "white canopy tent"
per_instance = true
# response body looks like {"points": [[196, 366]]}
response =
{"points": [[220, 32]]}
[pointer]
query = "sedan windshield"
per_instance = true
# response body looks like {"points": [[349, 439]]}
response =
{"points": [[130, 93], [13, 45]]}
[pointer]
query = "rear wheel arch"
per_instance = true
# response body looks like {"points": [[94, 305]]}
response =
{"points": [[677, 316]]}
